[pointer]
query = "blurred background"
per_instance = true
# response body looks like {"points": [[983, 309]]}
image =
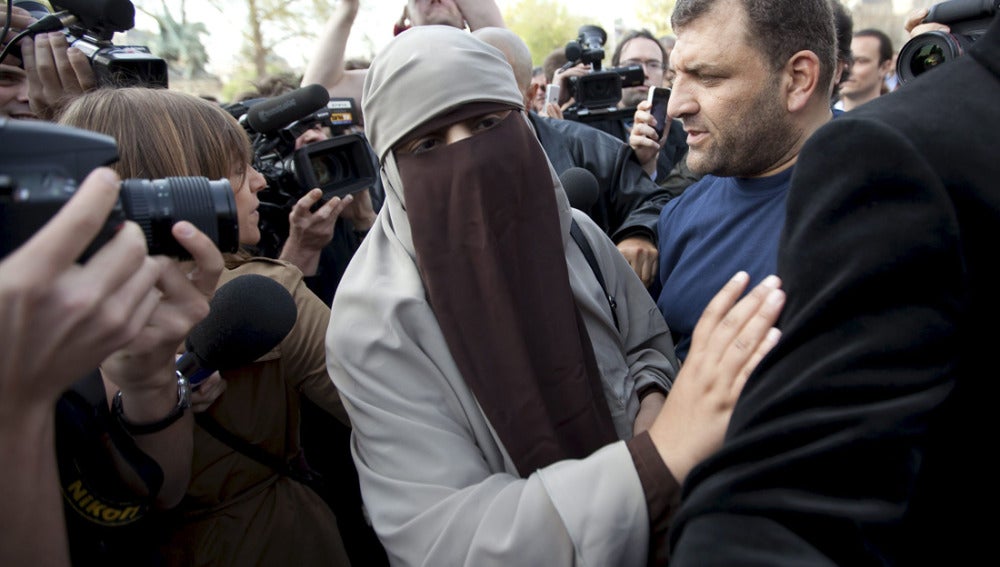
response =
{"points": [[218, 47]]}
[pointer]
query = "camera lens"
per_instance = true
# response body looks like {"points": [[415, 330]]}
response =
{"points": [[155, 205], [928, 50]]}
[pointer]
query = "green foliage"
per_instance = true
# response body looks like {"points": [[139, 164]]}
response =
{"points": [[655, 15], [545, 25]]}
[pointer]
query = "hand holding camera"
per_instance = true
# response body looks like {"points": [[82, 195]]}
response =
{"points": [[649, 127]]}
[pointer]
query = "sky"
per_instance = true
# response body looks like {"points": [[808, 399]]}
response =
{"points": [[376, 19]]}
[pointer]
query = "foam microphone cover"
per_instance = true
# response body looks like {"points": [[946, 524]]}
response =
{"points": [[100, 15], [276, 113], [250, 315], [581, 187]]}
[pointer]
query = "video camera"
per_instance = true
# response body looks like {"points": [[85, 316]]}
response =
{"points": [[339, 166], [596, 94], [42, 164], [89, 26], [967, 19]]}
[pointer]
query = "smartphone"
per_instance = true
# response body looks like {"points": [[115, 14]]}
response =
{"points": [[551, 94], [658, 97]]}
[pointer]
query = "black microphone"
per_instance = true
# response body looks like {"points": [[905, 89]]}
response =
{"points": [[581, 187], [100, 16], [249, 316], [280, 111]]}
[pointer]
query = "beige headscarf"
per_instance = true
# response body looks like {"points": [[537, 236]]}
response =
{"points": [[485, 222]]}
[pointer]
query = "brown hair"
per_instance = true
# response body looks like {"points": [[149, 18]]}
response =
{"points": [[163, 133]]}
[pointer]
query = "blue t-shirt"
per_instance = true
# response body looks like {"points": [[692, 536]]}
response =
{"points": [[715, 228]]}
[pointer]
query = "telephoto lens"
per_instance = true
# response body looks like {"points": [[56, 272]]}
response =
{"points": [[155, 205]]}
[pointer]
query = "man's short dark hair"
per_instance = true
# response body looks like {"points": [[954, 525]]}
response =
{"points": [[884, 43], [616, 56], [553, 61], [778, 28]]}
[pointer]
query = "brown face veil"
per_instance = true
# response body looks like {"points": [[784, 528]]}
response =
{"points": [[483, 218]]}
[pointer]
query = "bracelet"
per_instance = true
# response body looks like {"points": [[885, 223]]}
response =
{"points": [[183, 403]]}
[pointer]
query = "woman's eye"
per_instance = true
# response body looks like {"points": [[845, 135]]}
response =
{"points": [[422, 145], [487, 122]]}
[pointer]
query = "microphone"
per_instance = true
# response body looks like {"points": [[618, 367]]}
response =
{"points": [[249, 316], [100, 16], [581, 187], [276, 113]]}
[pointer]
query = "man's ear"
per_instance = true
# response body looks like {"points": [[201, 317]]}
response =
{"points": [[801, 79], [530, 94]]}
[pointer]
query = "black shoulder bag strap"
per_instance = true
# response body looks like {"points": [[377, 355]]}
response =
{"points": [[577, 233], [300, 471]]}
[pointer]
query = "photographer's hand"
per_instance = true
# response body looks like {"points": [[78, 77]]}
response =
{"points": [[19, 19], [360, 211], [144, 370], [58, 320], [642, 137], [56, 73], [309, 232], [915, 24]]}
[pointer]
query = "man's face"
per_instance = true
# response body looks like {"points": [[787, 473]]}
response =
{"points": [[728, 99], [442, 12], [645, 52], [865, 79], [14, 91]]}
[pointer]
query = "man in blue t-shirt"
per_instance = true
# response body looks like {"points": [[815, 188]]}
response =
{"points": [[749, 92]]}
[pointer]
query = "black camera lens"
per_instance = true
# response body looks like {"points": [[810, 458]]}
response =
{"points": [[155, 205]]}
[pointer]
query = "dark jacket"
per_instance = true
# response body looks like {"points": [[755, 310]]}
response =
{"points": [[629, 202], [863, 438]]}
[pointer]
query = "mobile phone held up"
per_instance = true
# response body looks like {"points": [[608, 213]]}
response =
{"points": [[658, 97], [552, 94]]}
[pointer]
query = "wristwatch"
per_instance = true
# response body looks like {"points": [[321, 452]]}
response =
{"points": [[183, 403]]}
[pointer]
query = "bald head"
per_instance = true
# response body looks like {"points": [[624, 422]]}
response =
{"points": [[514, 50]]}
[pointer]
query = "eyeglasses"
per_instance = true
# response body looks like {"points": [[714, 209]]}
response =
{"points": [[650, 65]]}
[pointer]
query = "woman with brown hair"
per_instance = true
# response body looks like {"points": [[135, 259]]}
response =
{"points": [[237, 510]]}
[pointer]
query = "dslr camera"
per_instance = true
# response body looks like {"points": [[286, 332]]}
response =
{"points": [[967, 19], [89, 26], [598, 92], [43, 163], [340, 165]]}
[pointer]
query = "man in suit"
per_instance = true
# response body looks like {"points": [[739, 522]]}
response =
{"points": [[861, 439]]}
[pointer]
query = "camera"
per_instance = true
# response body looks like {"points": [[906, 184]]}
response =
{"points": [[338, 166], [598, 92], [42, 164], [89, 26], [967, 19]]}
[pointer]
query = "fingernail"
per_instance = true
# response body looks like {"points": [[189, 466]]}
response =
{"points": [[776, 297], [773, 335], [740, 277], [771, 281], [185, 229]]}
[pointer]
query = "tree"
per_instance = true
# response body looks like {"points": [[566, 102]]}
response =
{"points": [[545, 25], [655, 15], [179, 42]]}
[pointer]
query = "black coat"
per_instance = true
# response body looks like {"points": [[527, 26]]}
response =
{"points": [[629, 201], [864, 437]]}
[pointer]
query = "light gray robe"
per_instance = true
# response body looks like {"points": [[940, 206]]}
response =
{"points": [[438, 485]]}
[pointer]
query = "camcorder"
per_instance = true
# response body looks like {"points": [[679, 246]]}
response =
{"points": [[89, 26], [43, 163], [340, 165], [967, 20], [596, 94]]}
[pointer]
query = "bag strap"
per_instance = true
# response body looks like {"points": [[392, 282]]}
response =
{"points": [[577, 233], [300, 471]]}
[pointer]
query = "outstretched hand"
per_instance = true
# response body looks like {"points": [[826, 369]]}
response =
{"points": [[729, 341]]}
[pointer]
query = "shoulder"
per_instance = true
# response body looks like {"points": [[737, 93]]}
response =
{"points": [[289, 276]]}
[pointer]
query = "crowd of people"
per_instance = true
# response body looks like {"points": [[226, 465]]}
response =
{"points": [[756, 338]]}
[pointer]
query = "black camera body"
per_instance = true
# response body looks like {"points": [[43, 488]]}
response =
{"points": [[967, 20], [597, 93], [43, 163], [339, 166], [90, 26]]}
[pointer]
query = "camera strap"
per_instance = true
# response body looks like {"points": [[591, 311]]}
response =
{"points": [[577, 233]]}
